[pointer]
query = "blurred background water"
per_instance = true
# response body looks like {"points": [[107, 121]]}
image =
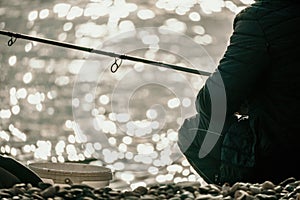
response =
{"points": [[37, 81]]}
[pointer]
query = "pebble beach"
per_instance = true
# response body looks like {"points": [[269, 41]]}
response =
{"points": [[288, 189]]}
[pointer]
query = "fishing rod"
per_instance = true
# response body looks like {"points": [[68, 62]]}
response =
{"points": [[14, 36]]}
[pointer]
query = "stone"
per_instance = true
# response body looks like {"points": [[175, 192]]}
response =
{"points": [[33, 190], [204, 189], [254, 189], [113, 193], [37, 197], [287, 181], [235, 187], [131, 198], [148, 197], [240, 194], [209, 197], [58, 198], [214, 189], [131, 193], [297, 189], [267, 185], [228, 198], [107, 189], [266, 197], [188, 184], [225, 188], [76, 191], [43, 185], [278, 188], [186, 194], [4, 194], [153, 191], [49, 191], [204, 197], [141, 190], [269, 192], [289, 188], [85, 198], [175, 198]]}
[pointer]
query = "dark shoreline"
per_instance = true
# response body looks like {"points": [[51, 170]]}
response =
{"points": [[287, 189]]}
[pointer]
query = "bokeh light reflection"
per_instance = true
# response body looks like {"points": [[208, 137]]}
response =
{"points": [[36, 121]]}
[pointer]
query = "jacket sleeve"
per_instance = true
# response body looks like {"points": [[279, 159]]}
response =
{"points": [[241, 68]]}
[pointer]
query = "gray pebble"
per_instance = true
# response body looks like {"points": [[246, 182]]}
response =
{"points": [[297, 182], [278, 188], [187, 194], [43, 185], [209, 197], [287, 181], [37, 196], [214, 189], [175, 198], [49, 191], [188, 184], [266, 197], [4, 194], [20, 185], [204, 197], [255, 189], [106, 189], [235, 187], [33, 190], [141, 190], [153, 191], [58, 198], [204, 189], [85, 198], [240, 194], [81, 186], [131, 194], [267, 185], [225, 188], [114, 193], [26, 198], [269, 192], [76, 191], [148, 197], [297, 189], [162, 196], [132, 198], [163, 187], [228, 198], [289, 188]]}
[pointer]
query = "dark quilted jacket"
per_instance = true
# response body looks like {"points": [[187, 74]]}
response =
{"points": [[261, 67]]}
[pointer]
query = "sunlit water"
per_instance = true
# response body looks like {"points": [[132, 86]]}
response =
{"points": [[36, 83]]}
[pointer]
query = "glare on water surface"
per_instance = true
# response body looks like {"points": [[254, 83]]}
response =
{"points": [[36, 84]]}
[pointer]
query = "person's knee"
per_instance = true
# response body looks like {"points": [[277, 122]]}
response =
{"points": [[188, 135]]}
